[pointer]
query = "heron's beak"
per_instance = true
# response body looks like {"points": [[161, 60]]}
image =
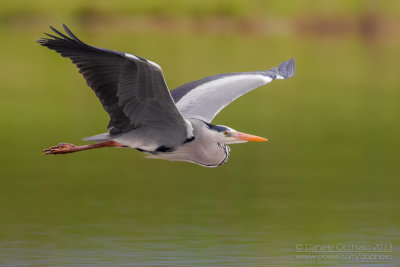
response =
{"points": [[248, 137]]}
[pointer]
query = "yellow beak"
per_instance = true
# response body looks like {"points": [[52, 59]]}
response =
{"points": [[248, 137]]}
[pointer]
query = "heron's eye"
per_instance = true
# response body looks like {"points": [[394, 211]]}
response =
{"points": [[226, 133]]}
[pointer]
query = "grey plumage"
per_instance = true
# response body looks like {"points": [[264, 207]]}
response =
{"points": [[131, 90], [205, 98], [285, 70], [144, 114]]}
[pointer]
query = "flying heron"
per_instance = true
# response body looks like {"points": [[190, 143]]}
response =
{"points": [[173, 125]]}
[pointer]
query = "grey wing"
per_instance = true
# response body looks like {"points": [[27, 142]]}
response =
{"points": [[205, 98], [131, 89]]}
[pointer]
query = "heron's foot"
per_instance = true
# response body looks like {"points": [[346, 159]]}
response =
{"points": [[61, 148]]}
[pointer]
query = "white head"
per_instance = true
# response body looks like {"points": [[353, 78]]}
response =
{"points": [[226, 135]]}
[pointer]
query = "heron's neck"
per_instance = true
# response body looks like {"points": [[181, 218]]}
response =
{"points": [[207, 149]]}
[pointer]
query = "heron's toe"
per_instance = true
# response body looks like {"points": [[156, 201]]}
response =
{"points": [[61, 148]]}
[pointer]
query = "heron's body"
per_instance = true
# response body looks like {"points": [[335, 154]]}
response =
{"points": [[173, 125], [198, 148]]}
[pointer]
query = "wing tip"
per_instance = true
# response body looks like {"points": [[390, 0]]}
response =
{"points": [[69, 32], [58, 36], [285, 70], [291, 67]]}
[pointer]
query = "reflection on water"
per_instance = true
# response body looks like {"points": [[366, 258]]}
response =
{"points": [[195, 228], [328, 175], [159, 242]]}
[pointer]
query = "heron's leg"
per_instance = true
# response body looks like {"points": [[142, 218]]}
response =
{"points": [[64, 148]]}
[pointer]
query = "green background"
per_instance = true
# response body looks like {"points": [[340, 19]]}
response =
{"points": [[328, 175]]}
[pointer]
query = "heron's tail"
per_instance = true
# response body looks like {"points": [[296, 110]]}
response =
{"points": [[98, 138]]}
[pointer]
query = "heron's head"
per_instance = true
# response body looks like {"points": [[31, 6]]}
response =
{"points": [[226, 135]]}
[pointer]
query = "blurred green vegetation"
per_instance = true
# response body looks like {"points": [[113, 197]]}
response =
{"points": [[329, 174], [205, 8]]}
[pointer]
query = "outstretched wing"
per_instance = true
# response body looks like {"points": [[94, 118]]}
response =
{"points": [[205, 98], [131, 89]]}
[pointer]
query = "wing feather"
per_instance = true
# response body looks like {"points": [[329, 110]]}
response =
{"points": [[205, 98], [131, 89]]}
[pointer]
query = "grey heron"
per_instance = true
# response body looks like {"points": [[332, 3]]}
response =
{"points": [[173, 125]]}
